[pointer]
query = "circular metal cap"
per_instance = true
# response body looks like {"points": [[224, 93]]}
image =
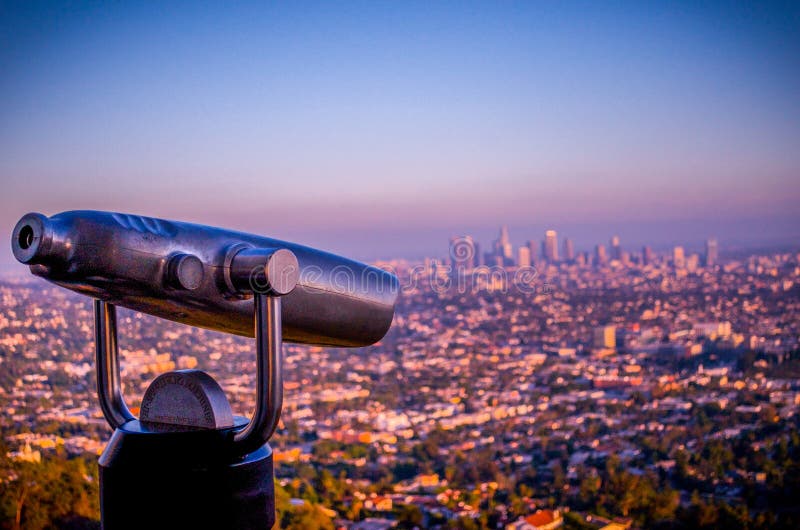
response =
{"points": [[186, 398], [283, 271], [27, 237], [185, 272], [269, 271]]}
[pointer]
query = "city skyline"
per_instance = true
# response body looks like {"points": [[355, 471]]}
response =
{"points": [[582, 238], [466, 253], [375, 130]]}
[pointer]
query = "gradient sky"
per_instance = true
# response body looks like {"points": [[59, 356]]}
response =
{"points": [[379, 129]]}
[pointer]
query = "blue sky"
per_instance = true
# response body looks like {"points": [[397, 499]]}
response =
{"points": [[379, 129]]}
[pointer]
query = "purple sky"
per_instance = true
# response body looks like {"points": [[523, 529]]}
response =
{"points": [[380, 129]]}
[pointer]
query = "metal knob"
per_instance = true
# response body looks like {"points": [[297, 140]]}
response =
{"points": [[185, 271], [270, 271]]}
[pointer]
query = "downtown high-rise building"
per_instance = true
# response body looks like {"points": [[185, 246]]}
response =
{"points": [[550, 246], [647, 255], [532, 250], [463, 253], [616, 249], [678, 258], [600, 256], [712, 252], [569, 250], [523, 257], [503, 247]]}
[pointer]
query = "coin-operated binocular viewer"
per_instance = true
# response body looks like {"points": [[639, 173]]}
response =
{"points": [[188, 461]]}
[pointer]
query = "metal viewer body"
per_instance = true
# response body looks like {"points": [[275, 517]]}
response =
{"points": [[193, 274]]}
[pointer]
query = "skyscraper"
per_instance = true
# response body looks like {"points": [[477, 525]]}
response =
{"points": [[463, 253], [616, 249], [600, 257], [647, 255], [712, 252], [569, 250], [523, 257], [503, 247], [692, 261], [678, 258], [532, 250], [551, 246]]}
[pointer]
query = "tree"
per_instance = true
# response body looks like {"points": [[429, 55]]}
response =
{"points": [[410, 516], [306, 517], [588, 490], [700, 513], [46, 494]]}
